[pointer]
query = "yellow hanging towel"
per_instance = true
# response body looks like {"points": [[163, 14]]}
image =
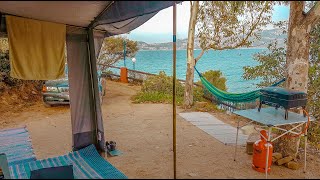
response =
{"points": [[36, 48]]}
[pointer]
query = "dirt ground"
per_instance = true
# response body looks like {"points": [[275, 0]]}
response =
{"points": [[143, 133]]}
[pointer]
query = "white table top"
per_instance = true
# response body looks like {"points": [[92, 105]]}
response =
{"points": [[272, 117]]}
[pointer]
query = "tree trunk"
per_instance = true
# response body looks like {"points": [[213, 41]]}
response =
{"points": [[297, 49], [297, 66], [188, 93]]}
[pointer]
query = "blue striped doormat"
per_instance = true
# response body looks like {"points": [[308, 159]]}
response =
{"points": [[87, 164], [16, 144]]}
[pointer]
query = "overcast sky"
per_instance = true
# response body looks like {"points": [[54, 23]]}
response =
{"points": [[159, 28]]}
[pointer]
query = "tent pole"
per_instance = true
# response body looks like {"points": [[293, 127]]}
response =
{"points": [[93, 78], [174, 90], [93, 23]]}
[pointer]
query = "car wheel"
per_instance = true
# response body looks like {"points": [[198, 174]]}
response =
{"points": [[47, 105]]}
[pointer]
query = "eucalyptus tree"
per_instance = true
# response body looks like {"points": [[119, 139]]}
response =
{"points": [[298, 62], [223, 25], [272, 68], [227, 25], [301, 24]]}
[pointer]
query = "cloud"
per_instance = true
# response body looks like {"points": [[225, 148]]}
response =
{"points": [[162, 22], [159, 27]]}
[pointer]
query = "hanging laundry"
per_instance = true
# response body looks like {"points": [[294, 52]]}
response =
{"points": [[36, 48]]}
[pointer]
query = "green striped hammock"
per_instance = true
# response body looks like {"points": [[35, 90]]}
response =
{"points": [[233, 98]]}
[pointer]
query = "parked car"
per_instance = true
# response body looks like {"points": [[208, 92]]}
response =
{"points": [[57, 91]]}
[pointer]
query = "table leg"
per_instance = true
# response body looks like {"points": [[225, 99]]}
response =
{"points": [[260, 104], [305, 150], [235, 151], [267, 155]]}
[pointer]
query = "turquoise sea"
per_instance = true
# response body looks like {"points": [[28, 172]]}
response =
{"points": [[229, 62]]}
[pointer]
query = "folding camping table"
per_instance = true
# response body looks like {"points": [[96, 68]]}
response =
{"points": [[272, 118]]}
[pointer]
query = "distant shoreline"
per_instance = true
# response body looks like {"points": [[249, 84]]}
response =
{"points": [[195, 49]]}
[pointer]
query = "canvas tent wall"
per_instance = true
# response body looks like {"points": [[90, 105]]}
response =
{"points": [[88, 22]]}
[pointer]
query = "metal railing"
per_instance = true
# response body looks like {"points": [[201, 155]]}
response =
{"points": [[112, 71], [138, 75], [134, 75]]}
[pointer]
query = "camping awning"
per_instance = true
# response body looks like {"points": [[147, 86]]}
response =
{"points": [[82, 18], [113, 17]]}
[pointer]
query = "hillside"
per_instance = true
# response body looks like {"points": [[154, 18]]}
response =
{"points": [[267, 36]]}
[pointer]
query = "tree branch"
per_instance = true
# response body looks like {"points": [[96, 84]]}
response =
{"points": [[313, 15], [254, 25], [244, 40], [200, 55]]}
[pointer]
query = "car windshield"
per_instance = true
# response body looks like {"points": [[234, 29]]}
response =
{"points": [[99, 72]]}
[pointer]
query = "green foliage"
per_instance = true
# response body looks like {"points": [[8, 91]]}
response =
{"points": [[107, 72], [209, 107], [161, 83], [314, 135], [5, 79], [112, 50], [271, 68], [314, 73], [21, 88], [198, 94], [232, 24], [156, 97], [5, 71], [4, 46], [272, 62], [158, 89], [215, 78], [225, 25]]}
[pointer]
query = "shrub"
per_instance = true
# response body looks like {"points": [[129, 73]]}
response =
{"points": [[272, 67], [5, 71], [161, 83], [158, 89], [5, 78], [215, 78]]}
